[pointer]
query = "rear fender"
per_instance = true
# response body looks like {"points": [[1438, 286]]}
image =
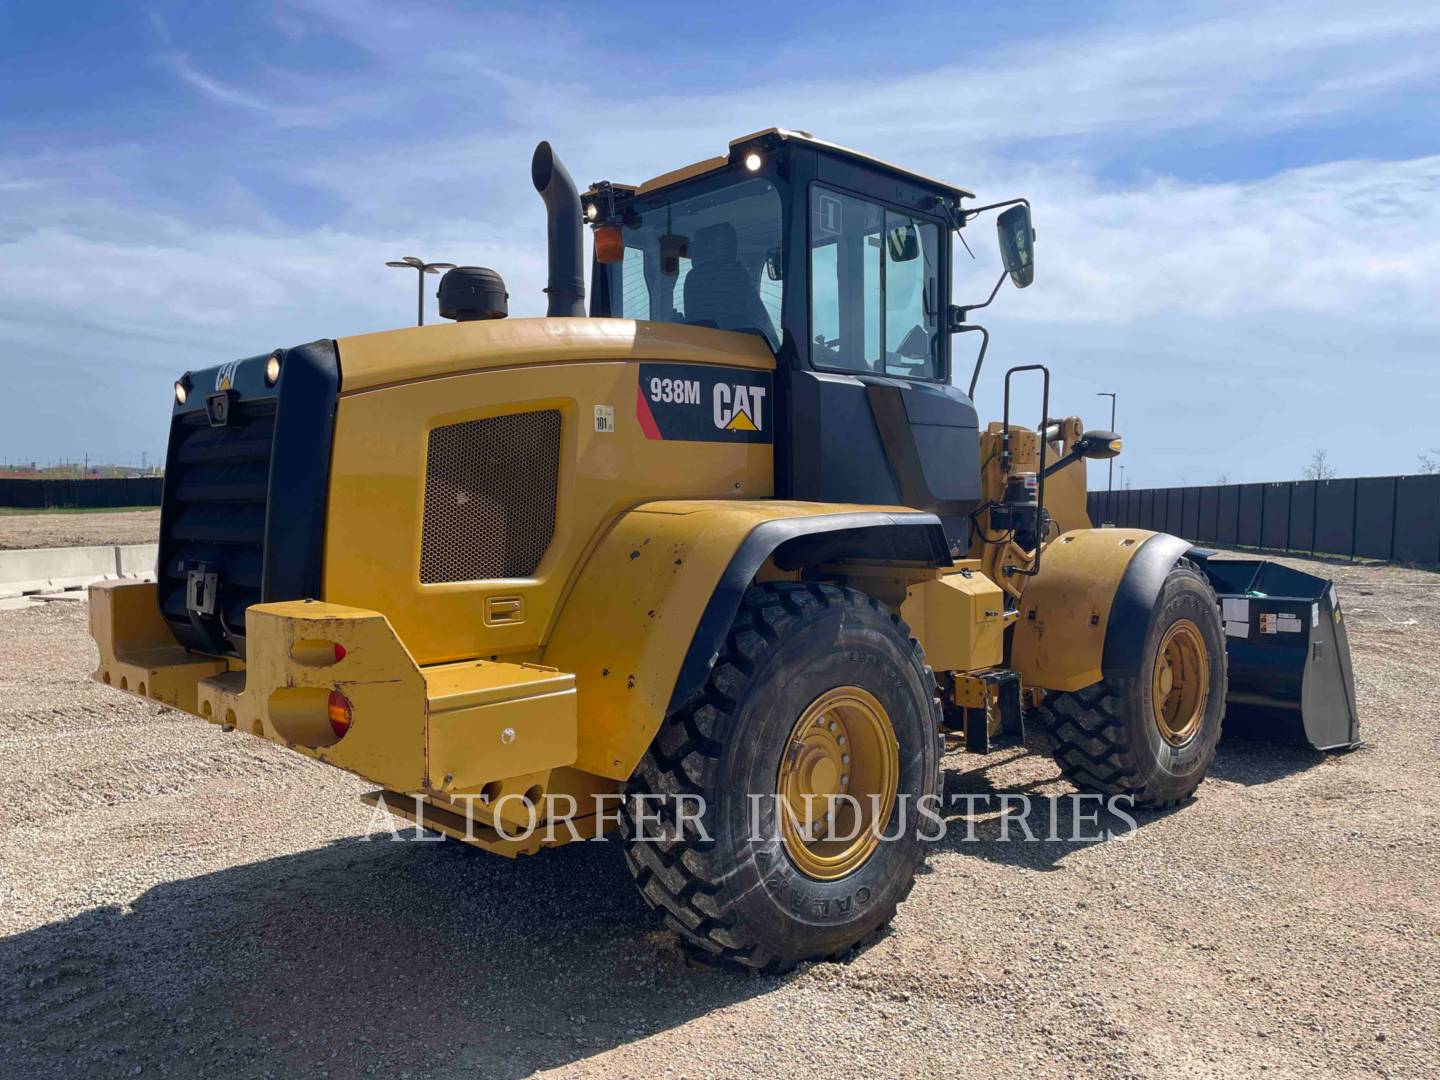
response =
{"points": [[652, 605]]}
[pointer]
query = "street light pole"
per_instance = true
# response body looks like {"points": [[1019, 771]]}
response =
{"points": [[1110, 481], [422, 268]]}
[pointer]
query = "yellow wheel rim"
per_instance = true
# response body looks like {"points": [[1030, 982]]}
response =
{"points": [[842, 745], [1180, 685]]}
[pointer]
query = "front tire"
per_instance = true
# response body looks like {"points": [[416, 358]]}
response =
{"points": [[818, 688], [1151, 737]]}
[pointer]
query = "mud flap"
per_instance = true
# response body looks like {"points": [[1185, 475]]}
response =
{"points": [[1290, 673]]}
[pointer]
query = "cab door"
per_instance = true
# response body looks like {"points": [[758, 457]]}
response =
{"points": [[874, 418]]}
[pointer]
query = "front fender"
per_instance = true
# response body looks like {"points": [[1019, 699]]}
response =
{"points": [[1084, 617], [652, 605]]}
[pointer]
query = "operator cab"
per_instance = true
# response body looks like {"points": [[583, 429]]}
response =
{"points": [[842, 263]]}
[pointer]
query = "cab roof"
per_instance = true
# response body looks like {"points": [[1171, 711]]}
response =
{"points": [[785, 135]]}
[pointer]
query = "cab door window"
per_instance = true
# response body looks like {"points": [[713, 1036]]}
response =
{"points": [[912, 296], [874, 300]]}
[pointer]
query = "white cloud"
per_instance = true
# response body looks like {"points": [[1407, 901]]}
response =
{"points": [[1360, 238], [1249, 69], [220, 293], [1265, 283], [98, 328]]}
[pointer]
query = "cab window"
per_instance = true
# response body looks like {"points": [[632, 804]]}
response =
{"points": [[635, 291], [709, 259], [875, 288]]}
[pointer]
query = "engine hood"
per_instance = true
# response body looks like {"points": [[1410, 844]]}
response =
{"points": [[426, 352]]}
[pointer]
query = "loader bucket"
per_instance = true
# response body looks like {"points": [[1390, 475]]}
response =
{"points": [[1290, 673]]}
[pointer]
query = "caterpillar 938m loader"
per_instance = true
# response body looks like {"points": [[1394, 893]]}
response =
{"points": [[732, 540]]}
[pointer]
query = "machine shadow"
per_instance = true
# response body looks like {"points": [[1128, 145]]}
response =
{"points": [[1258, 761], [358, 957], [1059, 823], [989, 821], [428, 956]]}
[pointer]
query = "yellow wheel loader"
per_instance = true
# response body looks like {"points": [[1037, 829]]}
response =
{"points": [[717, 564]]}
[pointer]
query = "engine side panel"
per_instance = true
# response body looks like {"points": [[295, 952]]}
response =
{"points": [[608, 463]]}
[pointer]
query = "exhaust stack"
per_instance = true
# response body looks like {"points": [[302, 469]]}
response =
{"points": [[563, 228]]}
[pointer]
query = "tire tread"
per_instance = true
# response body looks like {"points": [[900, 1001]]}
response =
{"points": [[1090, 739], [682, 879]]}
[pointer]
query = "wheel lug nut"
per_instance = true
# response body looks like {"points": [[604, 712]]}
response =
{"points": [[840, 739], [832, 725], [844, 759]]}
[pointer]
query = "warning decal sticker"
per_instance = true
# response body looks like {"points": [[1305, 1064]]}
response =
{"points": [[699, 403], [1279, 623]]}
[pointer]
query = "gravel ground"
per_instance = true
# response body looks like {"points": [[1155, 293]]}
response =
{"points": [[58, 529], [178, 901]]}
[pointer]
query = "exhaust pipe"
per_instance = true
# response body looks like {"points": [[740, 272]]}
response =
{"points": [[563, 228]]}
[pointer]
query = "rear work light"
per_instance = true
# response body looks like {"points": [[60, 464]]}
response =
{"points": [[340, 713], [609, 244]]}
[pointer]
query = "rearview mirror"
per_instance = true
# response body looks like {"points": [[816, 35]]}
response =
{"points": [[673, 248], [1017, 244], [903, 242], [1098, 445], [774, 265]]}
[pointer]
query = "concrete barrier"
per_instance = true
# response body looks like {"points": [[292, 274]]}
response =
{"points": [[136, 560], [45, 570]]}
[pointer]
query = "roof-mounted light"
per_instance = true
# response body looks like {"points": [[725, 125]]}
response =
{"points": [[753, 161]]}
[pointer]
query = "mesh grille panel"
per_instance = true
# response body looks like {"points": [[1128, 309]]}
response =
{"points": [[490, 490]]}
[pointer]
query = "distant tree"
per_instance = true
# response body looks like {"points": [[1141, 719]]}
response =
{"points": [[1430, 463], [1223, 478], [1319, 467]]}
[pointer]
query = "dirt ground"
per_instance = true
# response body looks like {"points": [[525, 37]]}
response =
{"points": [[59, 529], [177, 901]]}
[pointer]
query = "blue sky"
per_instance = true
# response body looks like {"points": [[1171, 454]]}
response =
{"points": [[1237, 206]]}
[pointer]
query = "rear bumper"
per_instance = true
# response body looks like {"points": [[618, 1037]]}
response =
{"points": [[452, 729]]}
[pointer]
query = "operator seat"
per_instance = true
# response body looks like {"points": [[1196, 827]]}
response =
{"points": [[720, 291]]}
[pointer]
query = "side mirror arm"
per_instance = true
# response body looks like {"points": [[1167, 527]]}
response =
{"points": [[1069, 459], [959, 311]]}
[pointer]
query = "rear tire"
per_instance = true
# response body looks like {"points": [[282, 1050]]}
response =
{"points": [[734, 892], [1151, 737]]}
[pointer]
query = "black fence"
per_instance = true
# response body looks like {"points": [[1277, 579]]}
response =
{"points": [[1395, 518], [77, 494]]}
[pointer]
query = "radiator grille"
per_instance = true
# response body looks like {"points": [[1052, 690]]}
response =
{"points": [[214, 517], [490, 491]]}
